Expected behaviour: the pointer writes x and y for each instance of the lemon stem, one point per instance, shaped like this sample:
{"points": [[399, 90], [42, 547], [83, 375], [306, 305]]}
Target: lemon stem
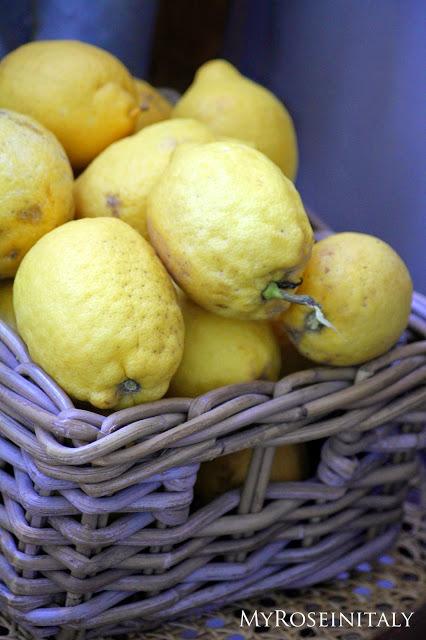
{"points": [[273, 291], [129, 386]]}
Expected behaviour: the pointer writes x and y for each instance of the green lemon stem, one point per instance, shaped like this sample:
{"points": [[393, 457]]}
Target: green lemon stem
{"points": [[273, 291]]}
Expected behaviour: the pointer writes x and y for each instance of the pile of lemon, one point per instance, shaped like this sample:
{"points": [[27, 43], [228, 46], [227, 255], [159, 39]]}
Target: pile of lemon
{"points": [[192, 263]]}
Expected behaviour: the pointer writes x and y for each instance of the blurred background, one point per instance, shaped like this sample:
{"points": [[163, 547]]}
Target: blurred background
{"points": [[350, 72]]}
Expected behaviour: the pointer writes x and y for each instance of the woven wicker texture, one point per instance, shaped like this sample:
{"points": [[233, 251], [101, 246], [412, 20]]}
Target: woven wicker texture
{"points": [[394, 582], [97, 527]]}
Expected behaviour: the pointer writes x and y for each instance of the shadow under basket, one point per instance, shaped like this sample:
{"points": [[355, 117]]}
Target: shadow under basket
{"points": [[99, 534]]}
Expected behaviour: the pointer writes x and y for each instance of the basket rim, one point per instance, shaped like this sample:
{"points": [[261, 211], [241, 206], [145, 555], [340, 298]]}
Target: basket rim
{"points": [[182, 424]]}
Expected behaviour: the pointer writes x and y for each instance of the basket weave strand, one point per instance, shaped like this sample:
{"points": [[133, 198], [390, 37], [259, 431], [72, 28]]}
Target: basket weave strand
{"points": [[99, 531]]}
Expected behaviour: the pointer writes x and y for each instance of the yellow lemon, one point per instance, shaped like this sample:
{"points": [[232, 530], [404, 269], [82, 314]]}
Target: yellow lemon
{"points": [[6, 303], [220, 351], [153, 106], [230, 226], [232, 105], [99, 313], [215, 477], [119, 180], [229, 139], [36, 187], [80, 92], [365, 291]]}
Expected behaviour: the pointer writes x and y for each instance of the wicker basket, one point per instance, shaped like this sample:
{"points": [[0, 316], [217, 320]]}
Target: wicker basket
{"points": [[98, 534]]}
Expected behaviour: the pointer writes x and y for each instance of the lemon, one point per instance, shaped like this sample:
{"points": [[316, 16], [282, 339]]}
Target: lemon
{"points": [[220, 351], [365, 291], [36, 187], [152, 105], [80, 92], [99, 313], [217, 476], [232, 105], [228, 224], [7, 313], [119, 180]]}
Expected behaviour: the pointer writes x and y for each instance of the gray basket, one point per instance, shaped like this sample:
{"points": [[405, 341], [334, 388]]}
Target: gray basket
{"points": [[98, 532]]}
